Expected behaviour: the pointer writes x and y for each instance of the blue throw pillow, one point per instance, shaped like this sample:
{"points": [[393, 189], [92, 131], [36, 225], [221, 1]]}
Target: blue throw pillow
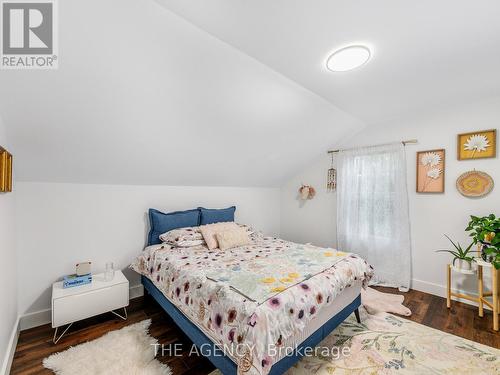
{"points": [[160, 222], [213, 215]]}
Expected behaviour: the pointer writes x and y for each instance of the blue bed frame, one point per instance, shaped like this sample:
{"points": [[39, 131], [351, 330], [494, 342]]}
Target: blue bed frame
{"points": [[224, 363]]}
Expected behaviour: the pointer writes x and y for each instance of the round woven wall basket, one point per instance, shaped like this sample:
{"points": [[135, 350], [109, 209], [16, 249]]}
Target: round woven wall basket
{"points": [[474, 184]]}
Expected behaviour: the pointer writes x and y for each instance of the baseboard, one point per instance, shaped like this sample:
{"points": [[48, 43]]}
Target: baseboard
{"points": [[11, 348], [441, 291], [35, 319], [39, 318], [428, 287], [136, 291]]}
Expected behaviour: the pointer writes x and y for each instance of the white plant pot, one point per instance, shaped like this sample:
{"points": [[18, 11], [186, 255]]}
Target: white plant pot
{"points": [[464, 265]]}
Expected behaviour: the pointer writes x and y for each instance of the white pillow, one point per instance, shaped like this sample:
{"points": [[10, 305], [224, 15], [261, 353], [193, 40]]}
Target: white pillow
{"points": [[210, 231], [228, 239]]}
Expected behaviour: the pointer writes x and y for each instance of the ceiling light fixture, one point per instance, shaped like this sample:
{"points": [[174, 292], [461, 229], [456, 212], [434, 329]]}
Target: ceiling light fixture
{"points": [[348, 58]]}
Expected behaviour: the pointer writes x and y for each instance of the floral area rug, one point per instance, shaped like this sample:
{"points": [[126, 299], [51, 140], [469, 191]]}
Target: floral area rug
{"points": [[386, 344]]}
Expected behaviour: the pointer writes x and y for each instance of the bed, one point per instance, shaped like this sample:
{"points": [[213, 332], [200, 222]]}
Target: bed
{"points": [[255, 308]]}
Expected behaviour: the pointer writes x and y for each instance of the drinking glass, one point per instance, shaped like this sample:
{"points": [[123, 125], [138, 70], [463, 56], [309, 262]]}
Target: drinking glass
{"points": [[110, 272]]}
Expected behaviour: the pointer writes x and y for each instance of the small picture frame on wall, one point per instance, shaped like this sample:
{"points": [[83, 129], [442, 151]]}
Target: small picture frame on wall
{"points": [[5, 171], [477, 145], [430, 171]]}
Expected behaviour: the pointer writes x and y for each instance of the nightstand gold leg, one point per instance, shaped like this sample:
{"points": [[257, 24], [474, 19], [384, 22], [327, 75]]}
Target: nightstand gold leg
{"points": [[56, 340], [494, 277], [480, 289], [448, 286], [120, 316]]}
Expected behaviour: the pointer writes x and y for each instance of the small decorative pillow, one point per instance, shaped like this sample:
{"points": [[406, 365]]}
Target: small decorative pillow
{"points": [[232, 238], [183, 237], [209, 232]]}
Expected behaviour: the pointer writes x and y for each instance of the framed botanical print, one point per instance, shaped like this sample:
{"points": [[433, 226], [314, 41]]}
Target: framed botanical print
{"points": [[5, 171], [430, 171], [477, 145]]}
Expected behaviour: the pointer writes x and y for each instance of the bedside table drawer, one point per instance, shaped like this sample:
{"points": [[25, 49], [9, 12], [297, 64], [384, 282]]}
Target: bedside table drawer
{"points": [[89, 303]]}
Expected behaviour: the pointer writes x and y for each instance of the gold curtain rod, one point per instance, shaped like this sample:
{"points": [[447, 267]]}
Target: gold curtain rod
{"points": [[409, 141]]}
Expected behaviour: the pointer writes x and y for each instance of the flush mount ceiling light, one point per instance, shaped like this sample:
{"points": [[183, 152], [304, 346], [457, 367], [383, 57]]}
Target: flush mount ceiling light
{"points": [[348, 58]]}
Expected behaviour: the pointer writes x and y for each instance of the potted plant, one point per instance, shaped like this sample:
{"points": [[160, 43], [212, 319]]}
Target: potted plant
{"points": [[485, 232], [462, 255]]}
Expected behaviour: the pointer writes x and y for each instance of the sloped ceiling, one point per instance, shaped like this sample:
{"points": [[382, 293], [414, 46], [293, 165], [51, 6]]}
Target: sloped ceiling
{"points": [[426, 54], [142, 96], [235, 92]]}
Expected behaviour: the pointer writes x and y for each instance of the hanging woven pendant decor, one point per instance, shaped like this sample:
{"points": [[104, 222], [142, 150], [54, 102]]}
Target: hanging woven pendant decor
{"points": [[331, 180]]}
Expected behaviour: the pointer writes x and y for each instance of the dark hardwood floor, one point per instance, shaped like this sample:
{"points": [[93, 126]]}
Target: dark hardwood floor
{"points": [[460, 320], [35, 344]]}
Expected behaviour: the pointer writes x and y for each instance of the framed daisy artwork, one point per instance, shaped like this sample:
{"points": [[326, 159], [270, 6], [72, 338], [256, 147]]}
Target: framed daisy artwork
{"points": [[477, 145], [430, 171]]}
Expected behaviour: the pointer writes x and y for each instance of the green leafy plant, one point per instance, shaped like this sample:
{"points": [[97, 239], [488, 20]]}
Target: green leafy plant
{"points": [[486, 232], [459, 252]]}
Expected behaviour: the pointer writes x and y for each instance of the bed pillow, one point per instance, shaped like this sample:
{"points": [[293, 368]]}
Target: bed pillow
{"points": [[228, 239], [209, 232], [253, 234], [215, 215], [183, 237], [160, 222], [248, 228]]}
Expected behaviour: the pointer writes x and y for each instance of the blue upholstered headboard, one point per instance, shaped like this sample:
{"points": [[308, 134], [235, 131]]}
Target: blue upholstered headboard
{"points": [[160, 222]]}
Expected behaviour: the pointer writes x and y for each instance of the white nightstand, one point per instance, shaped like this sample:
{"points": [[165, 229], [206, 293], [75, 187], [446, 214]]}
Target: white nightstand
{"points": [[72, 304]]}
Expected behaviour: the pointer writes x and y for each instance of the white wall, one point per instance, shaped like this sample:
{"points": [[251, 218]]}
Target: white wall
{"points": [[8, 274], [195, 111], [311, 220], [431, 215], [144, 97], [62, 224]]}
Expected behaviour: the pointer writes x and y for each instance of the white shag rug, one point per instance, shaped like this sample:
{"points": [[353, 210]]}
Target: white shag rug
{"points": [[128, 351], [376, 302]]}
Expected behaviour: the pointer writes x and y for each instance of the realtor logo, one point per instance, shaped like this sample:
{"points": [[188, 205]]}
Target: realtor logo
{"points": [[29, 34]]}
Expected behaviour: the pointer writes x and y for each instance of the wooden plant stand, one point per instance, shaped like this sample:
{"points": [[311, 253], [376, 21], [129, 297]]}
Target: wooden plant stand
{"points": [[494, 304], [481, 298]]}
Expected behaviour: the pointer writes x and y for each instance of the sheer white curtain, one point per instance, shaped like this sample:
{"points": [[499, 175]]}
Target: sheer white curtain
{"points": [[372, 211]]}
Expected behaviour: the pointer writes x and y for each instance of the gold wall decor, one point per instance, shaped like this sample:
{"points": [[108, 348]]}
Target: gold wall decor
{"points": [[477, 145], [474, 184], [5, 171]]}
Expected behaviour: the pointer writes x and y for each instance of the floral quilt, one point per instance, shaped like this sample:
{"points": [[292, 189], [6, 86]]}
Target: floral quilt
{"points": [[250, 299]]}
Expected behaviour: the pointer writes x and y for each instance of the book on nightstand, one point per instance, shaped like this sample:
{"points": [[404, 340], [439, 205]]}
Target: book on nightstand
{"points": [[70, 281]]}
